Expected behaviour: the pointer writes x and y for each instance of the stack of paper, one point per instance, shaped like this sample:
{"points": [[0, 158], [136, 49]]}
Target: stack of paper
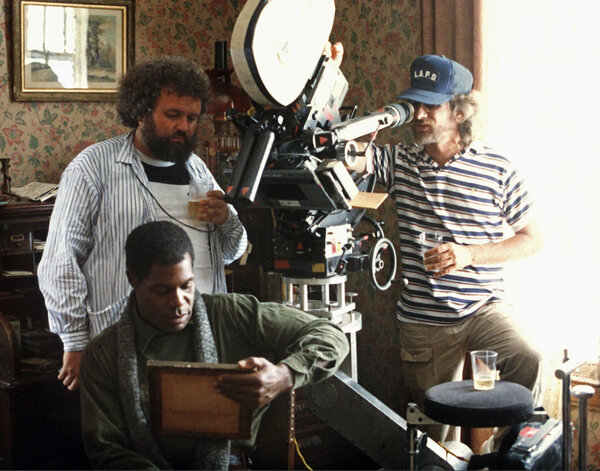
{"points": [[37, 191]]}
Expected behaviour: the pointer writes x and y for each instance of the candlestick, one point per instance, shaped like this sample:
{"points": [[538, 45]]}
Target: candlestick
{"points": [[5, 162]]}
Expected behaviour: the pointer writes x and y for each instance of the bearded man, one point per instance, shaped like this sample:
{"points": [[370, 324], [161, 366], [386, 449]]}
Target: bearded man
{"points": [[116, 185], [463, 212]]}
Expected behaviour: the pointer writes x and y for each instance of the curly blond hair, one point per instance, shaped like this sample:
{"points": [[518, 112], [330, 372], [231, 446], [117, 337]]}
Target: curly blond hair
{"points": [[466, 107]]}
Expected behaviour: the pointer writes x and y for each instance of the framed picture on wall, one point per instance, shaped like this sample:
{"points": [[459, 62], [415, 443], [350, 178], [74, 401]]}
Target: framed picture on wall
{"points": [[72, 50]]}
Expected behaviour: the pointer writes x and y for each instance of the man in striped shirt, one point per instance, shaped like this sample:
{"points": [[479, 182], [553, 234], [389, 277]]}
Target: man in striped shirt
{"points": [[463, 211], [114, 186]]}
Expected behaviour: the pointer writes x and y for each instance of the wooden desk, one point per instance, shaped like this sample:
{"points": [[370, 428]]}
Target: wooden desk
{"points": [[39, 418]]}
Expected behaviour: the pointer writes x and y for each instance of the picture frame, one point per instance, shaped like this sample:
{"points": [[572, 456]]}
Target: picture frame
{"points": [[184, 401], [71, 50]]}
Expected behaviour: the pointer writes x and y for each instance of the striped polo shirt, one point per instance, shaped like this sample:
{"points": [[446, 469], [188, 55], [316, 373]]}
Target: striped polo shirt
{"points": [[477, 197]]}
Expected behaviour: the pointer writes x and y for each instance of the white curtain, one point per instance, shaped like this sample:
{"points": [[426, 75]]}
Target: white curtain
{"points": [[541, 71]]}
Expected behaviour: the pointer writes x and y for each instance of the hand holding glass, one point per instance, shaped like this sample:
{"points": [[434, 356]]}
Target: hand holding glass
{"points": [[198, 190], [429, 240], [483, 363]]}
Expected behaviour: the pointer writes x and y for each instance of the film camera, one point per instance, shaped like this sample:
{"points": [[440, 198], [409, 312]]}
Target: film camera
{"points": [[297, 151]]}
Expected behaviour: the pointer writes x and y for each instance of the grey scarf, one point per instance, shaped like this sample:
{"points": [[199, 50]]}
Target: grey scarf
{"points": [[210, 454]]}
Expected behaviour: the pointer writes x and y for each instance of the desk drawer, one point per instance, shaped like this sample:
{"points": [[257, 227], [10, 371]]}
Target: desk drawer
{"points": [[15, 242]]}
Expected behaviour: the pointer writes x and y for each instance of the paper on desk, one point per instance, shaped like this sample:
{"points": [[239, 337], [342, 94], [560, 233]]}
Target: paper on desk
{"points": [[37, 191], [12, 273]]}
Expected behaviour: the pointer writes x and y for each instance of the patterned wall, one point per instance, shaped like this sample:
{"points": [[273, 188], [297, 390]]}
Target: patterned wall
{"points": [[380, 39], [41, 138]]}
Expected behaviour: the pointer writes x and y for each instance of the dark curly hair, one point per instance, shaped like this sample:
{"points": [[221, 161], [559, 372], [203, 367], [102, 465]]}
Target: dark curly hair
{"points": [[156, 243], [140, 88]]}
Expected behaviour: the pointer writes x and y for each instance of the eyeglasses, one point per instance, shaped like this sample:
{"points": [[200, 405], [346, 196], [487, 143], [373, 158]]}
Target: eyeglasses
{"points": [[416, 105]]}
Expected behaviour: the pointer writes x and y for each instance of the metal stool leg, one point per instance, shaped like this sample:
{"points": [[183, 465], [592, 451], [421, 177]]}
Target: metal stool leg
{"points": [[564, 373], [582, 392], [414, 442]]}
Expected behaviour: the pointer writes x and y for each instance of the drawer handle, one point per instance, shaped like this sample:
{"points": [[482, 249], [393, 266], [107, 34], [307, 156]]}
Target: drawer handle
{"points": [[17, 237]]}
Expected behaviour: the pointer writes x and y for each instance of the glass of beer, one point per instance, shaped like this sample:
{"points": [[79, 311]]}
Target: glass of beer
{"points": [[197, 192], [483, 363]]}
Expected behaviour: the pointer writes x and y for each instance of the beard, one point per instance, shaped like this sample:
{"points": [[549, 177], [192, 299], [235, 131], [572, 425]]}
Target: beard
{"points": [[438, 134], [163, 148]]}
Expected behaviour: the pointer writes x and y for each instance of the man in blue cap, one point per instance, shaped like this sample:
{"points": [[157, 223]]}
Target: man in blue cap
{"points": [[463, 211]]}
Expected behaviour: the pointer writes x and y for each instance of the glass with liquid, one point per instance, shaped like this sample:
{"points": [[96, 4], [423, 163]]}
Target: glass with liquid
{"points": [[198, 190], [483, 363]]}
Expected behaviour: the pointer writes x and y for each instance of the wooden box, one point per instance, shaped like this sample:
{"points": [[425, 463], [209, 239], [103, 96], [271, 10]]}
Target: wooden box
{"points": [[185, 402]]}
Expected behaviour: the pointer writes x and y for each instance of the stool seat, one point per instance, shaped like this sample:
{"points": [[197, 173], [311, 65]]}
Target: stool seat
{"points": [[457, 403]]}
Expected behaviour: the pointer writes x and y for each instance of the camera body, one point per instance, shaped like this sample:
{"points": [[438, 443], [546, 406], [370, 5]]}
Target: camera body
{"points": [[291, 161]]}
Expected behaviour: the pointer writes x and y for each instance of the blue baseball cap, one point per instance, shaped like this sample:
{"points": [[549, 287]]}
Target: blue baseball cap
{"points": [[434, 80]]}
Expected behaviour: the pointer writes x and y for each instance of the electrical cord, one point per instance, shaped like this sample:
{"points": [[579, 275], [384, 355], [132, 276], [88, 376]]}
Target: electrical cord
{"points": [[170, 215], [300, 455]]}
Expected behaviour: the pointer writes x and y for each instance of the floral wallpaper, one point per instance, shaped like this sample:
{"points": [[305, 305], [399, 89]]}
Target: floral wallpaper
{"points": [[41, 138], [380, 38]]}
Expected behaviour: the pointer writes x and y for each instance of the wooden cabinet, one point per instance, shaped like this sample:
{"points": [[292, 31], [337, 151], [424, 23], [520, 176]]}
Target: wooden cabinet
{"points": [[23, 231], [39, 417]]}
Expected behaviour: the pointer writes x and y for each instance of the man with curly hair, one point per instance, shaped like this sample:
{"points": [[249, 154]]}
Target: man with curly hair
{"points": [[114, 186]]}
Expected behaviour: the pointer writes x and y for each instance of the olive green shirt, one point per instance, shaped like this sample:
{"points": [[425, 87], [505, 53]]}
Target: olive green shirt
{"points": [[311, 347]]}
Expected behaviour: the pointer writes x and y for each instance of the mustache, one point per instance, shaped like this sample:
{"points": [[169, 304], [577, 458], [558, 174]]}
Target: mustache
{"points": [[180, 134]]}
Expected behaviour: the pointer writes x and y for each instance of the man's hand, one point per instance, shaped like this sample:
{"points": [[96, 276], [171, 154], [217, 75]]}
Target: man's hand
{"points": [[264, 383], [335, 51], [447, 258], [69, 373], [214, 209]]}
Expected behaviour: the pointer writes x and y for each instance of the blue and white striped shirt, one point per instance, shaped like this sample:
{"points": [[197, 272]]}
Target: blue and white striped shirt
{"points": [[472, 199], [103, 195]]}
